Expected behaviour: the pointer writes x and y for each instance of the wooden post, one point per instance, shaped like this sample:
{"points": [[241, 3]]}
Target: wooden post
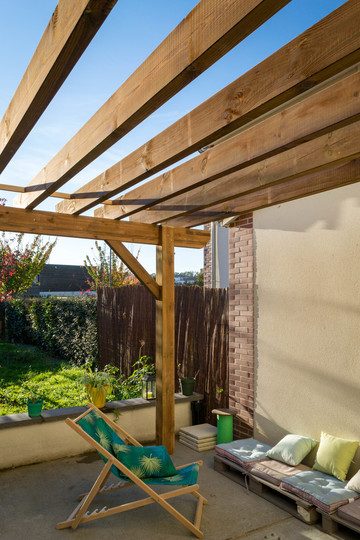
{"points": [[165, 337]]}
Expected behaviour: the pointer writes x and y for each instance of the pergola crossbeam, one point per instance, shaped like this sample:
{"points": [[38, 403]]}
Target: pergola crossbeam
{"points": [[285, 129], [305, 186], [53, 224], [70, 30], [330, 149], [181, 57], [234, 106]]}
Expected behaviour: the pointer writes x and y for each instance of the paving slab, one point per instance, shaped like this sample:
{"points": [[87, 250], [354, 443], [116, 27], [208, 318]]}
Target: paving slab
{"points": [[34, 498]]}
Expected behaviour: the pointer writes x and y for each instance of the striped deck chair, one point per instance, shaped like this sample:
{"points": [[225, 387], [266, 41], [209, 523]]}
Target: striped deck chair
{"points": [[132, 464]]}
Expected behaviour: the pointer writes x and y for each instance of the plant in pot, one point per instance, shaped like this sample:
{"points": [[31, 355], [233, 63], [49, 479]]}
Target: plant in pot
{"points": [[35, 403], [98, 383]]}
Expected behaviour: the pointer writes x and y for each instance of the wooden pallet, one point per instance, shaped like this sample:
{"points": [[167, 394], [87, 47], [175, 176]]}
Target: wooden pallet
{"points": [[339, 527], [287, 501]]}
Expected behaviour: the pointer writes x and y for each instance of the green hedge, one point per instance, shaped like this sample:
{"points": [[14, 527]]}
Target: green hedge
{"points": [[66, 328]]}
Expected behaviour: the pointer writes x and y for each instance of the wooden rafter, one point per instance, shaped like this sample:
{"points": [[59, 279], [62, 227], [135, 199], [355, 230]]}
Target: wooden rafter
{"points": [[265, 86], [51, 223], [210, 30], [70, 30], [21, 189], [136, 268], [336, 147], [290, 127], [305, 186]]}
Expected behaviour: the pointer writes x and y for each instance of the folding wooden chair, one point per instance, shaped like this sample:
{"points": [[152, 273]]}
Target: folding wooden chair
{"points": [[133, 464]]}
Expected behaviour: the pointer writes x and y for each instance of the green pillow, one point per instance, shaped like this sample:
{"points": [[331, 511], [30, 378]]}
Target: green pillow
{"points": [[146, 461], [291, 449], [334, 455]]}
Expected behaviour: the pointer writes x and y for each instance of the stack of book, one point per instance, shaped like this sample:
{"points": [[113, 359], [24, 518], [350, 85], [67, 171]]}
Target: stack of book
{"points": [[200, 438]]}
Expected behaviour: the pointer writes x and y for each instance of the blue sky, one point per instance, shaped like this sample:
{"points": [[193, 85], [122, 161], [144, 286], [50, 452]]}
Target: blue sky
{"points": [[128, 36]]}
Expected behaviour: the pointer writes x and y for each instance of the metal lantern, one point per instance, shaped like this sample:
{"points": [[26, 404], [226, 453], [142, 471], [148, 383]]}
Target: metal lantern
{"points": [[148, 390]]}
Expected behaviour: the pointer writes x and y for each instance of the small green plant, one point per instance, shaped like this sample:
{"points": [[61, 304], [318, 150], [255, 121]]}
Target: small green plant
{"points": [[35, 396], [96, 378], [98, 383], [32, 390], [131, 387]]}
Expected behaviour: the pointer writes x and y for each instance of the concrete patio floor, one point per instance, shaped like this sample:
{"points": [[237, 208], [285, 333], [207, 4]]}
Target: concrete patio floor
{"points": [[34, 498]]}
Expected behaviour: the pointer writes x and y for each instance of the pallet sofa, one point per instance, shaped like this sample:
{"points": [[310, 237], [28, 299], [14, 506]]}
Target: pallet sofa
{"points": [[310, 493]]}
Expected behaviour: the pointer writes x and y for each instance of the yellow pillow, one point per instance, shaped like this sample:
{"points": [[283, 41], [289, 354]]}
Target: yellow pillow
{"points": [[334, 455]]}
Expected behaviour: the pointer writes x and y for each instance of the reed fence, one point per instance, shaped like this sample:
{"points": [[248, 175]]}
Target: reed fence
{"points": [[126, 325]]}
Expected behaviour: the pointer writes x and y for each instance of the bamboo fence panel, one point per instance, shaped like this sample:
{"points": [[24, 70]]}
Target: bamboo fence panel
{"points": [[126, 323]]}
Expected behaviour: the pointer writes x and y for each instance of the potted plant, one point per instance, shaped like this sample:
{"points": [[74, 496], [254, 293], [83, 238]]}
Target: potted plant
{"points": [[187, 384], [98, 384], [34, 403]]}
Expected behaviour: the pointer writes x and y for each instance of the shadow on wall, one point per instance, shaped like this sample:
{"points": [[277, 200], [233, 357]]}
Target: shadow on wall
{"points": [[331, 210]]}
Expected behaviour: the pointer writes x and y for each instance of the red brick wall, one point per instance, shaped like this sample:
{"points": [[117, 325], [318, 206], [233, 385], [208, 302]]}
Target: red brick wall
{"points": [[241, 322], [241, 325], [207, 261]]}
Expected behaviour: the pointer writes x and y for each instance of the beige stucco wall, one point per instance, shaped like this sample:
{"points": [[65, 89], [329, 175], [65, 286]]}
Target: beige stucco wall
{"points": [[307, 316]]}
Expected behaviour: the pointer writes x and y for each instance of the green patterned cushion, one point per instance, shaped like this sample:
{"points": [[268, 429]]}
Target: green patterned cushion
{"points": [[147, 461], [187, 476], [101, 432]]}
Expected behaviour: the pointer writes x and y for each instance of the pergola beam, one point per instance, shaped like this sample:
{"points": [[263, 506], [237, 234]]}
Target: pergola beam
{"points": [[286, 129], [70, 30], [305, 186], [234, 106], [330, 149], [136, 268], [210, 30], [53, 224]]}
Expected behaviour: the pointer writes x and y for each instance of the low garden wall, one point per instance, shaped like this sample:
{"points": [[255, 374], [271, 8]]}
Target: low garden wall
{"points": [[25, 440]]}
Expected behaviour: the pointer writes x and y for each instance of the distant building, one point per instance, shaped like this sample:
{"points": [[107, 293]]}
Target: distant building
{"points": [[60, 280], [184, 279]]}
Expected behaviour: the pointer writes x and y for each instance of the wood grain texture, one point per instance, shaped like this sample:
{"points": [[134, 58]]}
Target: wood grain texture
{"points": [[165, 342], [309, 59], [53, 224], [135, 267], [328, 150], [209, 31], [70, 30], [306, 120], [311, 184]]}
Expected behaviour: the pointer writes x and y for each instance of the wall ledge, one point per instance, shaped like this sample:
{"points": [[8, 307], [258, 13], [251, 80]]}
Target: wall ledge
{"points": [[23, 420]]}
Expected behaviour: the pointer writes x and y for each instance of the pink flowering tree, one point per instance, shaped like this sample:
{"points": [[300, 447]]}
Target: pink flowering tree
{"points": [[20, 264]]}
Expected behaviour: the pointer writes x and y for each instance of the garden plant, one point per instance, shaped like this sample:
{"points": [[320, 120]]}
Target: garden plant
{"points": [[27, 370]]}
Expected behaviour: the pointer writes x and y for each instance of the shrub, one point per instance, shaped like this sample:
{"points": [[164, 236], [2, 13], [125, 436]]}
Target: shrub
{"points": [[66, 328]]}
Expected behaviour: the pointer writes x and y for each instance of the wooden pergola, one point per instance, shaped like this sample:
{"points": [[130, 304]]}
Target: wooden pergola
{"points": [[288, 128]]}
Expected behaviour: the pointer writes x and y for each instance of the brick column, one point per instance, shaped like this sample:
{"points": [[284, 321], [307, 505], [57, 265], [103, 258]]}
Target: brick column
{"points": [[241, 325], [207, 261]]}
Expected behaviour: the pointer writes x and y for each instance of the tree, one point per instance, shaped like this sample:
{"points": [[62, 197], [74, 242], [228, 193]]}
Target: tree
{"points": [[200, 279], [108, 270], [20, 264]]}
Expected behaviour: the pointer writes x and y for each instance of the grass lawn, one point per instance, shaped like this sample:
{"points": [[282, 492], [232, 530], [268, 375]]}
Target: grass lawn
{"points": [[25, 368]]}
